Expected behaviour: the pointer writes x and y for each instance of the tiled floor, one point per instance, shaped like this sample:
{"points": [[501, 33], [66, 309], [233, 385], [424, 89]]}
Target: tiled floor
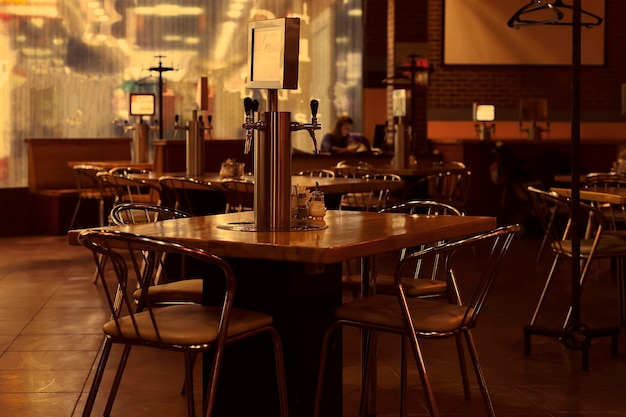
{"points": [[51, 315]]}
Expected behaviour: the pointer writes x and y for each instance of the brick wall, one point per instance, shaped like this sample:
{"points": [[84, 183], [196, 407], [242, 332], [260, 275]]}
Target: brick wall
{"points": [[453, 89]]}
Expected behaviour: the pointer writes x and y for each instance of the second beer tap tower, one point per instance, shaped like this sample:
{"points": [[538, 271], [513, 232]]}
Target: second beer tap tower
{"points": [[273, 51]]}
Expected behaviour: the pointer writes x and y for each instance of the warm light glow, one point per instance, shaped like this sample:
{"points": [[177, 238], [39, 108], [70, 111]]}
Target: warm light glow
{"points": [[168, 10]]}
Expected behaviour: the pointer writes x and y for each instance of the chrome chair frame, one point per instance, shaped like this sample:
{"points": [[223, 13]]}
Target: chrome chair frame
{"points": [[89, 188], [447, 187], [198, 328], [177, 192], [416, 318], [240, 195]]}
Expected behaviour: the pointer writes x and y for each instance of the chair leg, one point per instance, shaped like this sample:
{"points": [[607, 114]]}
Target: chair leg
{"points": [[463, 366], [322, 370], [471, 347], [97, 379], [101, 261], [116, 381], [368, 363], [189, 360], [75, 214], [183, 389], [428, 390], [403, 375], [545, 290], [281, 379]]}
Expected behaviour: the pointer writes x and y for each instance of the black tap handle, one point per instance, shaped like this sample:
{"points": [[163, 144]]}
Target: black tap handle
{"points": [[200, 118], [209, 118], [247, 105], [176, 119], [255, 105], [314, 106]]}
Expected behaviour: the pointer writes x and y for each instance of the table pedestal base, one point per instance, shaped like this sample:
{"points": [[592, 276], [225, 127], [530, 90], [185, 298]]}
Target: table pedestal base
{"points": [[302, 305], [577, 338]]}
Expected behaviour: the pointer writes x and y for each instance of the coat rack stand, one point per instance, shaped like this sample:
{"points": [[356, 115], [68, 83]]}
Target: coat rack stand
{"points": [[576, 335]]}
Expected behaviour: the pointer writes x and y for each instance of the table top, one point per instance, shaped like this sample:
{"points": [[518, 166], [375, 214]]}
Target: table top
{"points": [[113, 164], [349, 234], [420, 170], [610, 195], [336, 185]]}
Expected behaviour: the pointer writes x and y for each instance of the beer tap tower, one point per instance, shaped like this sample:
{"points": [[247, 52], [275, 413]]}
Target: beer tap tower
{"points": [[273, 49], [195, 128]]}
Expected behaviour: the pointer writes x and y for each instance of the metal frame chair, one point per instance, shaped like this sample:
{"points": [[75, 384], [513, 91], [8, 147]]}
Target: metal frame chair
{"points": [[240, 195], [372, 200], [617, 215], [596, 243], [447, 187], [414, 287], [186, 194], [186, 328], [123, 189], [89, 188], [417, 318], [319, 173]]}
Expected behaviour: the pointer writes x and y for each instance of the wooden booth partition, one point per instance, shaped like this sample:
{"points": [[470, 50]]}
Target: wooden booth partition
{"points": [[51, 181], [170, 155]]}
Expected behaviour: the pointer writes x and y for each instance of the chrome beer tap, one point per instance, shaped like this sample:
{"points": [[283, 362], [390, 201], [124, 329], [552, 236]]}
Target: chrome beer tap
{"points": [[310, 127], [178, 127], [250, 107]]}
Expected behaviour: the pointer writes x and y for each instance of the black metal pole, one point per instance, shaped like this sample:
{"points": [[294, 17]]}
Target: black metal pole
{"points": [[575, 165], [160, 69]]}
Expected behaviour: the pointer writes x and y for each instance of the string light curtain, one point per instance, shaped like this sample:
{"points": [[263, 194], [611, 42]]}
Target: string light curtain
{"points": [[68, 66]]}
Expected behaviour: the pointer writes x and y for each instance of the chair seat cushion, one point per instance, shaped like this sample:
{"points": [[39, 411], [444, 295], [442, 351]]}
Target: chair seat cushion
{"points": [[429, 316], [412, 287], [185, 324], [611, 244], [187, 290]]}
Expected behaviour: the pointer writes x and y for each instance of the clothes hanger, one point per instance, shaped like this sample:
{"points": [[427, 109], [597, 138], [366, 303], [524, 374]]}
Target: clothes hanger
{"points": [[517, 20], [597, 20]]}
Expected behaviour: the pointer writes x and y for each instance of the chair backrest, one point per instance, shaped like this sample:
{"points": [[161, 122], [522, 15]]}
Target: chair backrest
{"points": [[319, 173], [427, 207], [192, 196], [449, 187], [346, 170], [605, 180], [548, 205], [129, 190], [369, 200], [240, 194], [135, 261], [131, 213], [128, 170], [476, 260], [86, 177]]}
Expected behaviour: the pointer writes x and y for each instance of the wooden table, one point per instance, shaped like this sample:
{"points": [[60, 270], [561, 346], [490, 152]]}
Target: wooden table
{"points": [[611, 195], [113, 164], [296, 277], [334, 185]]}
